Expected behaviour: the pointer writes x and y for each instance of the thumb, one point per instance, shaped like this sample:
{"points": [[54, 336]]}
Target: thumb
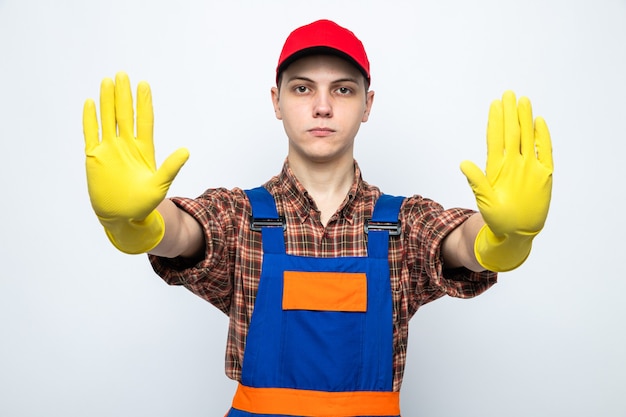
{"points": [[171, 166], [477, 180]]}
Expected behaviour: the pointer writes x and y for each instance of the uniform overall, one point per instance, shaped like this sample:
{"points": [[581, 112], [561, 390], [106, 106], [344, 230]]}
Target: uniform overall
{"points": [[320, 337]]}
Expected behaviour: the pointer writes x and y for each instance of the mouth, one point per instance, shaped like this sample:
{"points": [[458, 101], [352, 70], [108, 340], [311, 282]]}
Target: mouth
{"points": [[321, 131]]}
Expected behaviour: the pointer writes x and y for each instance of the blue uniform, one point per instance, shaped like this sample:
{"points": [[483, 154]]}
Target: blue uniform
{"points": [[320, 337]]}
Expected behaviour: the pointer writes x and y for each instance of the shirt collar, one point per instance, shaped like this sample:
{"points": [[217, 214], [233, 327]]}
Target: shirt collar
{"points": [[301, 202]]}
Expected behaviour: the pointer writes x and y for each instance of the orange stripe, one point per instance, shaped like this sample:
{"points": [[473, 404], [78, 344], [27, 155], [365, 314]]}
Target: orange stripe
{"points": [[308, 403], [325, 291]]}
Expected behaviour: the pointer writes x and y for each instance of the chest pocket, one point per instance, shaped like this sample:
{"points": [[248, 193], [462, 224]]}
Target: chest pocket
{"points": [[325, 291]]}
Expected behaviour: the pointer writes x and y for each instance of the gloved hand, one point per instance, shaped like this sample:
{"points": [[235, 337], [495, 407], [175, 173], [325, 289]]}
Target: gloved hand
{"points": [[513, 195], [124, 184]]}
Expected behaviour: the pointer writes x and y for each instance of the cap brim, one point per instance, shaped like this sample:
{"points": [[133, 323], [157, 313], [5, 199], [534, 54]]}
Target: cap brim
{"points": [[319, 50]]}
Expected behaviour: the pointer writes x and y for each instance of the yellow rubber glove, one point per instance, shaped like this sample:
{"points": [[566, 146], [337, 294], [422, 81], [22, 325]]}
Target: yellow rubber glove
{"points": [[124, 185], [513, 195]]}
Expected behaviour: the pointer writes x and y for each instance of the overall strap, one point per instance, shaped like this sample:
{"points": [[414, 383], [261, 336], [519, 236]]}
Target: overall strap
{"points": [[265, 219], [385, 222], [387, 209]]}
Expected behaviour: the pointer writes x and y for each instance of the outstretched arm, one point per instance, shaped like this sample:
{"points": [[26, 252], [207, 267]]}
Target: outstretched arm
{"points": [[183, 234], [513, 195], [458, 247], [125, 186]]}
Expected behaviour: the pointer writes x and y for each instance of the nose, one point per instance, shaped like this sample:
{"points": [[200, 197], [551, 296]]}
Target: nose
{"points": [[323, 105]]}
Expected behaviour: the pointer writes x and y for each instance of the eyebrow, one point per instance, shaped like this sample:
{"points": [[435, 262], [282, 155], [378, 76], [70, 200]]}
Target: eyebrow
{"points": [[340, 80]]}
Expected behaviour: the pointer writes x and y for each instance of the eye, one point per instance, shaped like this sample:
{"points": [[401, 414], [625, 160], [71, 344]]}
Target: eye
{"points": [[301, 89], [344, 91]]}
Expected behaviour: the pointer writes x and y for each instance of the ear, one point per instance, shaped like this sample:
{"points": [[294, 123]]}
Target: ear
{"points": [[275, 102], [369, 100]]}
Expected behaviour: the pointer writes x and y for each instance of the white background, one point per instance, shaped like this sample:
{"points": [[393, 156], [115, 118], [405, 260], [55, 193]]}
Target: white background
{"points": [[88, 331]]}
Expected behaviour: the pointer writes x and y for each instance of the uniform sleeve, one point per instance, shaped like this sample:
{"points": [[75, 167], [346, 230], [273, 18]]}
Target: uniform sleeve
{"points": [[426, 226], [220, 212]]}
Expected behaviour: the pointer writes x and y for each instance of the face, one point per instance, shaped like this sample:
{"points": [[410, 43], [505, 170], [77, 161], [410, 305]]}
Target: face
{"points": [[322, 101]]}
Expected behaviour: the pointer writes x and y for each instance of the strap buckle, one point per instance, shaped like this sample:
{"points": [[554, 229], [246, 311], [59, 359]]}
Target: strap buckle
{"points": [[256, 224], [394, 228]]}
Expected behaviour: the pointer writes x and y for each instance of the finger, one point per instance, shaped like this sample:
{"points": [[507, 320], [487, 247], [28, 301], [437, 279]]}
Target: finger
{"points": [[107, 108], [543, 143], [527, 131], [90, 126], [145, 113], [170, 168], [145, 122], [124, 106], [495, 139], [511, 124]]}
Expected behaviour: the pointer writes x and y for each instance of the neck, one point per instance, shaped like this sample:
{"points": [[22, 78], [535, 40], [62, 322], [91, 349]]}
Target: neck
{"points": [[327, 184]]}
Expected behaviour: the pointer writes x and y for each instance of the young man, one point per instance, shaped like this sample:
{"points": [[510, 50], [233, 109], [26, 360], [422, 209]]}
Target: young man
{"points": [[318, 271]]}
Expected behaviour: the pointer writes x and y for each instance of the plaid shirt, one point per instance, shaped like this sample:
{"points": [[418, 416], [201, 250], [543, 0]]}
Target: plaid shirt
{"points": [[228, 275]]}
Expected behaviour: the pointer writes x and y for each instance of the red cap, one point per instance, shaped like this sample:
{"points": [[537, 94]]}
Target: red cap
{"points": [[323, 36]]}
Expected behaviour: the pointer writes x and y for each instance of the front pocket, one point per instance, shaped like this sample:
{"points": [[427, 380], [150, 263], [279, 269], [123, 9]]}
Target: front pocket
{"points": [[322, 350], [323, 329]]}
